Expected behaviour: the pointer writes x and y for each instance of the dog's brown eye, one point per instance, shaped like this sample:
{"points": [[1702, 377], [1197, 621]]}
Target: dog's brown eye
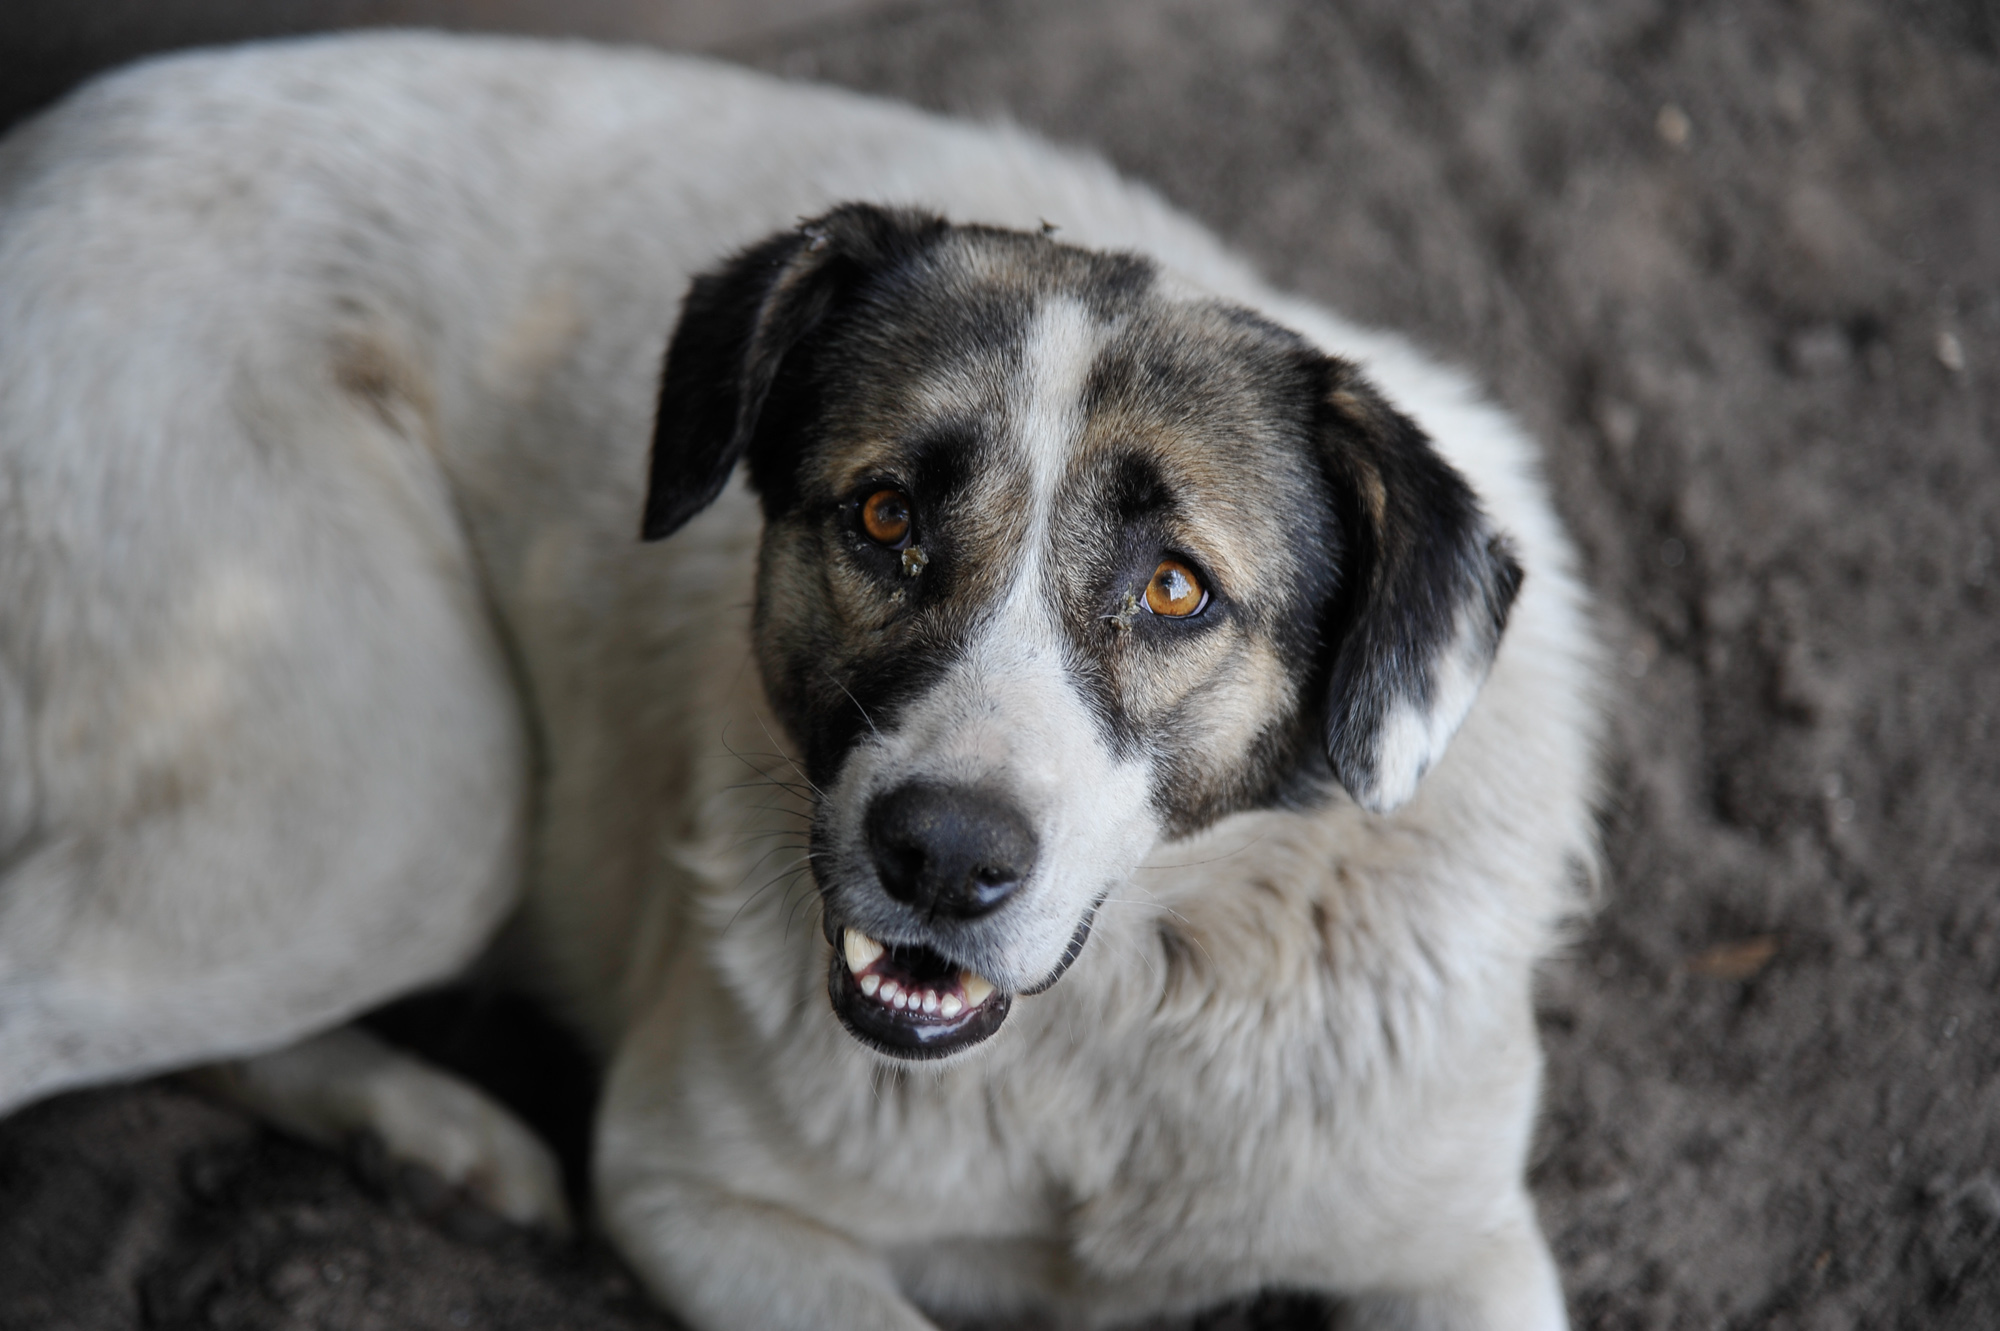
{"points": [[885, 516], [1175, 591]]}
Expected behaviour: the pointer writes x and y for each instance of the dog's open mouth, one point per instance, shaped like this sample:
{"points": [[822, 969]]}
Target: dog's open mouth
{"points": [[908, 1001]]}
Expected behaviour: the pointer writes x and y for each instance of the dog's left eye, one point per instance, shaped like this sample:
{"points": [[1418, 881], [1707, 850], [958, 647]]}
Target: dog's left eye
{"points": [[885, 516], [1175, 590]]}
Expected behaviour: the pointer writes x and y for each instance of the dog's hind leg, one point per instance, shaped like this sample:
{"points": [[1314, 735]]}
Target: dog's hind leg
{"points": [[246, 919], [346, 1081], [302, 877], [273, 759]]}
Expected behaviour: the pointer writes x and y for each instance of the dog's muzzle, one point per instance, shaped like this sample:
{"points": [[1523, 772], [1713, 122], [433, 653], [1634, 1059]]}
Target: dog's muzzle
{"points": [[948, 854]]}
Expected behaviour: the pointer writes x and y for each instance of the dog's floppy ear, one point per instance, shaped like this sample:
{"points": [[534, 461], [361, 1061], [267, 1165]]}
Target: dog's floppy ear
{"points": [[737, 325], [1425, 595]]}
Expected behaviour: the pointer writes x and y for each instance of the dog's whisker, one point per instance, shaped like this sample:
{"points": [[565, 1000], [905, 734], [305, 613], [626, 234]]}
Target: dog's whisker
{"points": [[762, 781], [745, 838], [807, 899], [856, 701], [771, 808], [788, 873], [792, 763], [805, 801], [774, 783], [789, 762], [1195, 864], [798, 862], [777, 759], [758, 863], [791, 914]]}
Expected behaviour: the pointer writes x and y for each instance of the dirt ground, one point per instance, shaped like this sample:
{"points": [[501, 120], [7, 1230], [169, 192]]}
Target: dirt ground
{"points": [[1738, 264]]}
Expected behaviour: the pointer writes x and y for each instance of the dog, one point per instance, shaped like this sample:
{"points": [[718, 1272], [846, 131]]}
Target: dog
{"points": [[1043, 767]]}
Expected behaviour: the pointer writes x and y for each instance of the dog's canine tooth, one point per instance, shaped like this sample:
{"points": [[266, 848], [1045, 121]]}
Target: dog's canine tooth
{"points": [[870, 983], [977, 987], [860, 950]]}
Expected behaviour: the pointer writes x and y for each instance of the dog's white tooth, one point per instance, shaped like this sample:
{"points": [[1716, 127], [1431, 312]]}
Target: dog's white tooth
{"points": [[902, 1002], [860, 950], [949, 1006], [870, 983], [930, 1000], [889, 991], [977, 987]]}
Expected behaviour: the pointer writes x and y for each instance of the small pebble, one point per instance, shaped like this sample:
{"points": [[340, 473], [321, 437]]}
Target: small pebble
{"points": [[1950, 351], [1673, 126]]}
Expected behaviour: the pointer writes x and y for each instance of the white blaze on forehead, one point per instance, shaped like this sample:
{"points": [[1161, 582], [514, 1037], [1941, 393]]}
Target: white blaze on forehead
{"points": [[1056, 356], [1021, 656], [1009, 713]]}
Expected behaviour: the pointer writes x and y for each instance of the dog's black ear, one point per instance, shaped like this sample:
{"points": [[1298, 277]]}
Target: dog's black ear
{"points": [[1424, 598], [737, 325]]}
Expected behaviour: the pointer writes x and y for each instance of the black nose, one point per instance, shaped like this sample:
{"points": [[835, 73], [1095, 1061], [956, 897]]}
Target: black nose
{"points": [[949, 850]]}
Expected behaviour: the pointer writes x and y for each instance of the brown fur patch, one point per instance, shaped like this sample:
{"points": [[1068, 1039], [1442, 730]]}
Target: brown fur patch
{"points": [[383, 382]]}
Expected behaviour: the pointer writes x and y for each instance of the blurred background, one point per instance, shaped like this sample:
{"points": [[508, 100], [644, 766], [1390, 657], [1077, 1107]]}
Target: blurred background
{"points": [[1737, 264]]}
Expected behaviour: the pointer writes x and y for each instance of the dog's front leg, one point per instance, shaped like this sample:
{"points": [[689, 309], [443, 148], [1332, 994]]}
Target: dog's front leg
{"points": [[727, 1263], [1507, 1283]]}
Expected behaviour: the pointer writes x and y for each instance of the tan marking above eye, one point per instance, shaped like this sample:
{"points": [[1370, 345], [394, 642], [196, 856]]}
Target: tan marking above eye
{"points": [[885, 516], [1175, 590]]}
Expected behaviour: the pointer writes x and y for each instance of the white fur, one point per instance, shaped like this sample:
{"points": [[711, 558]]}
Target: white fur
{"points": [[1414, 737], [1008, 715], [1061, 344], [324, 406]]}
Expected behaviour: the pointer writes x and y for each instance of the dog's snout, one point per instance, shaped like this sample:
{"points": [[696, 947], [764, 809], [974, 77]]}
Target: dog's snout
{"points": [[949, 850]]}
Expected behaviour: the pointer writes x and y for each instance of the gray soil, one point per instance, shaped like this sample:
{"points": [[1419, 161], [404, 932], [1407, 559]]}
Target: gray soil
{"points": [[1738, 264]]}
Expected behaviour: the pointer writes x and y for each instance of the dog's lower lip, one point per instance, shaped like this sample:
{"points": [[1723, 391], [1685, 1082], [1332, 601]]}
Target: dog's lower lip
{"points": [[910, 1002]]}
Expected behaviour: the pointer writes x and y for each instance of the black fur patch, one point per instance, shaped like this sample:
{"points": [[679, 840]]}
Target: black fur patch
{"points": [[737, 326], [1424, 560]]}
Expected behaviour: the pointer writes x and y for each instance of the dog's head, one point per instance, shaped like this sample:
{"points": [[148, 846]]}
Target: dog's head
{"points": [[1056, 563]]}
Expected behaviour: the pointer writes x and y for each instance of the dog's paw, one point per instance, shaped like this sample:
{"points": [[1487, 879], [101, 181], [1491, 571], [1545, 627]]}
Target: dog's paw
{"points": [[347, 1081], [429, 1118]]}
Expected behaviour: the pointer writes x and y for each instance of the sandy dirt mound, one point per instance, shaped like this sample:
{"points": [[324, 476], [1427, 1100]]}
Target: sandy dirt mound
{"points": [[1739, 266]]}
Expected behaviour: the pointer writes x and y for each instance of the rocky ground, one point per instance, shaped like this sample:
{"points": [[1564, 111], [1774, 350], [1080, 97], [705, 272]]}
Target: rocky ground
{"points": [[1739, 265]]}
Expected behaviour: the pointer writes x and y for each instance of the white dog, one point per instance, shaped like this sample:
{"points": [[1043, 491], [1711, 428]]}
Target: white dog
{"points": [[1007, 852]]}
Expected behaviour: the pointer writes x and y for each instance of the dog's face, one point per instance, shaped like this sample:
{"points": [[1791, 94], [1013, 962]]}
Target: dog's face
{"points": [[1056, 562]]}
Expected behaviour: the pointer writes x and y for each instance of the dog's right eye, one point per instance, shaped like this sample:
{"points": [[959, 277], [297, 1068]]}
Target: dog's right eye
{"points": [[885, 517], [1175, 591]]}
